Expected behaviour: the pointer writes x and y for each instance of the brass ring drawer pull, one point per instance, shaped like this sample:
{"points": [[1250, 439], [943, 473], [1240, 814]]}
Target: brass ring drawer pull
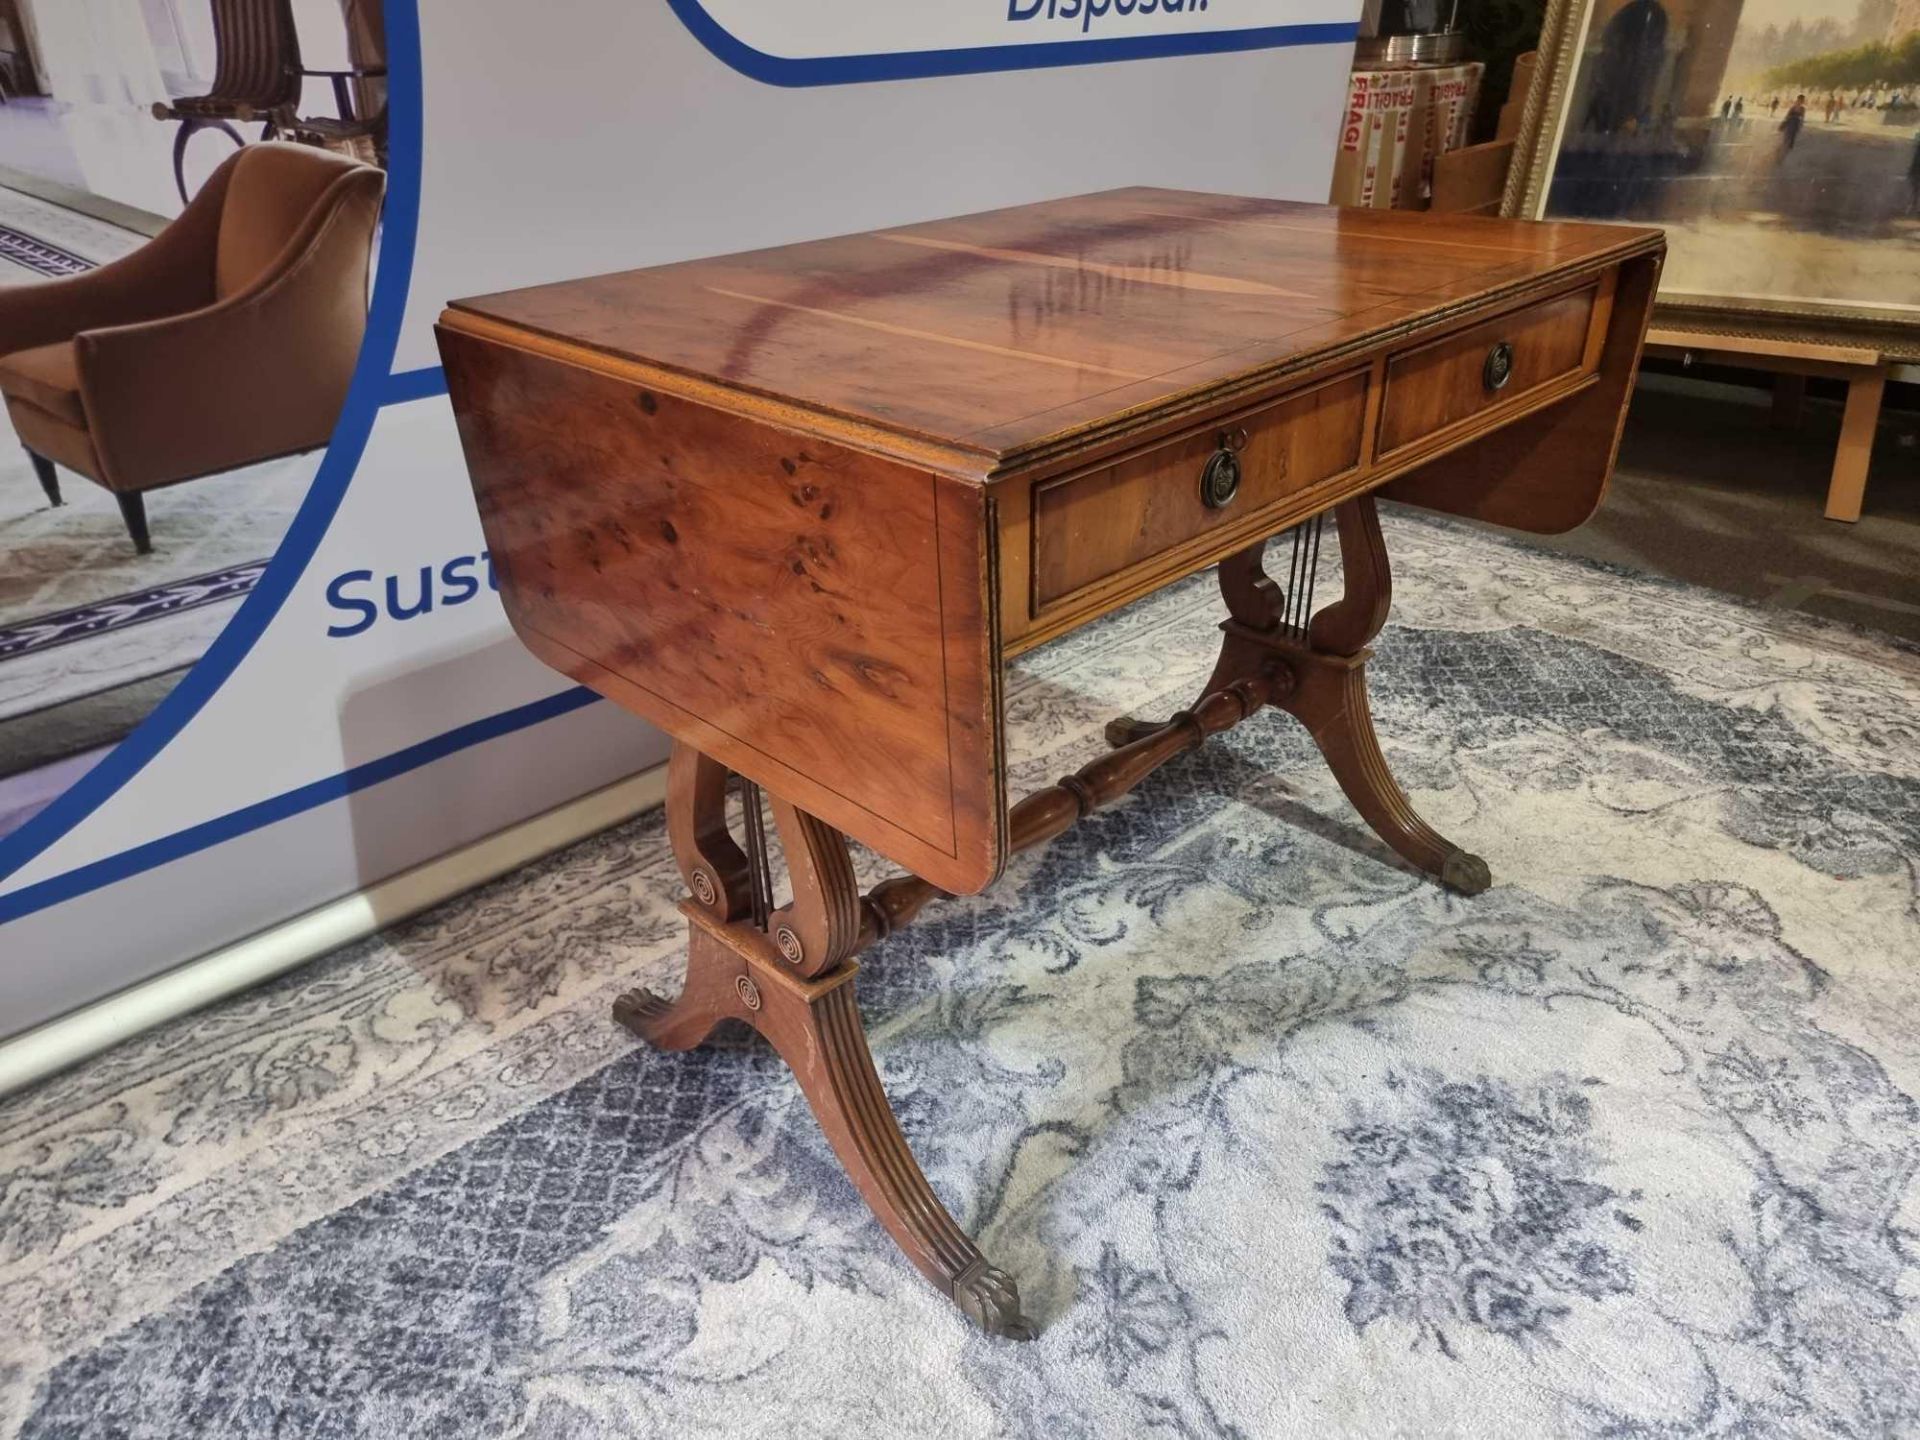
{"points": [[1499, 367], [1220, 480]]}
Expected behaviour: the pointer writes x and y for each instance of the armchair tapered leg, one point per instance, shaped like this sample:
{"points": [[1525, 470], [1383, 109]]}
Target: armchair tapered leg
{"points": [[49, 478], [133, 510]]}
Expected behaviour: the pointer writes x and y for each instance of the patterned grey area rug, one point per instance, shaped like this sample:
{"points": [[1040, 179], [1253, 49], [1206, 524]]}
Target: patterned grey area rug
{"points": [[55, 562], [40, 240], [1279, 1139]]}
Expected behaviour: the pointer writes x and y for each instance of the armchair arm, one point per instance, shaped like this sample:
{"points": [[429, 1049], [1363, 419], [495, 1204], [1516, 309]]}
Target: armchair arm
{"points": [[170, 273], [260, 374]]}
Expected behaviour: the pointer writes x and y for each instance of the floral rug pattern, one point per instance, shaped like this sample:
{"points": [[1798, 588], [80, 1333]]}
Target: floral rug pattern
{"points": [[1277, 1138]]}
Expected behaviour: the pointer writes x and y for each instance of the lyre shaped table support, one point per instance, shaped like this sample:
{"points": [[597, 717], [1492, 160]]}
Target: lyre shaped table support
{"points": [[789, 972]]}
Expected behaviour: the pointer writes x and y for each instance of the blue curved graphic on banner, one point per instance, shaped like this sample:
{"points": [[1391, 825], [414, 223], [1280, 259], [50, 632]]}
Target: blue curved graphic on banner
{"points": [[369, 390], [920, 64]]}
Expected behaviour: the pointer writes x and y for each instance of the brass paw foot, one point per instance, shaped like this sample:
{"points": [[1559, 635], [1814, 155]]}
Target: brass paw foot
{"points": [[1465, 874], [641, 1011], [716, 990], [986, 1295]]}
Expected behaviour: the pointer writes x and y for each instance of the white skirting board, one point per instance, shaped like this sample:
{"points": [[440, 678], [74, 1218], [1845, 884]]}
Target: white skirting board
{"points": [[37, 1053]]}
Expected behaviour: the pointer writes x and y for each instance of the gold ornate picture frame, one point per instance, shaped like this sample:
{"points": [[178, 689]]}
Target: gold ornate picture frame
{"points": [[1698, 107]]}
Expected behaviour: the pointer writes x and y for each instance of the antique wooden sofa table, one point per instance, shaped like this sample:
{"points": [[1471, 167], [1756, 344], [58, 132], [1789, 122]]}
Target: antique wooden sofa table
{"points": [[797, 508]]}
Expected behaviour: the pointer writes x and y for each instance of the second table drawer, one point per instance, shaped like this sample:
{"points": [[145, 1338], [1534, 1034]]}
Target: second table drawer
{"points": [[1494, 363]]}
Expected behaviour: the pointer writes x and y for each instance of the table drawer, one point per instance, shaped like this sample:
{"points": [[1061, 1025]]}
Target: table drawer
{"points": [[1149, 507], [1496, 363]]}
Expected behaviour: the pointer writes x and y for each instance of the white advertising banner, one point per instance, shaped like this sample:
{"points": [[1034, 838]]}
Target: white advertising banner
{"points": [[302, 681]]}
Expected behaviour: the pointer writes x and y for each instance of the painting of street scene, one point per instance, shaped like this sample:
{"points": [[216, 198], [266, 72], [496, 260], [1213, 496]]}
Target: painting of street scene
{"points": [[1778, 141]]}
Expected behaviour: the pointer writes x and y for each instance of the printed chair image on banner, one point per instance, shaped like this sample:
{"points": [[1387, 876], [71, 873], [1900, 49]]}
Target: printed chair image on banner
{"points": [[189, 198]]}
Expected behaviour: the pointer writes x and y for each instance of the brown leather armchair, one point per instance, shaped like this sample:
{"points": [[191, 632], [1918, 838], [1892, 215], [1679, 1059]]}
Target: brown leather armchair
{"points": [[226, 340]]}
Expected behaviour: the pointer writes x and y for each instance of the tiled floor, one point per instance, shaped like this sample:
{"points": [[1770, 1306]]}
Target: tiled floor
{"points": [[33, 139], [119, 152]]}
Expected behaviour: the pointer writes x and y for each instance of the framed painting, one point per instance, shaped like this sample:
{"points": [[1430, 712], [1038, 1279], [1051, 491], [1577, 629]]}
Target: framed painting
{"points": [[1776, 141]]}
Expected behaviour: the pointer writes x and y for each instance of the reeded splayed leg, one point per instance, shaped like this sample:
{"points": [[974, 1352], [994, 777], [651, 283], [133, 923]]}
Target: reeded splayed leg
{"points": [[1326, 653], [792, 980], [1330, 699]]}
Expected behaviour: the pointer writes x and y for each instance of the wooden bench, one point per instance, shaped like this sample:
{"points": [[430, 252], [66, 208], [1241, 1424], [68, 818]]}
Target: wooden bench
{"points": [[1864, 371]]}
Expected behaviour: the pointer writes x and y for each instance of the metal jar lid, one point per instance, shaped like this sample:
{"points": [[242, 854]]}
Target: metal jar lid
{"points": [[1442, 47]]}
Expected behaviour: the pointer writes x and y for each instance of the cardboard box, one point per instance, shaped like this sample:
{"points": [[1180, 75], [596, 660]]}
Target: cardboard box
{"points": [[1450, 92], [1370, 166], [1396, 121]]}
